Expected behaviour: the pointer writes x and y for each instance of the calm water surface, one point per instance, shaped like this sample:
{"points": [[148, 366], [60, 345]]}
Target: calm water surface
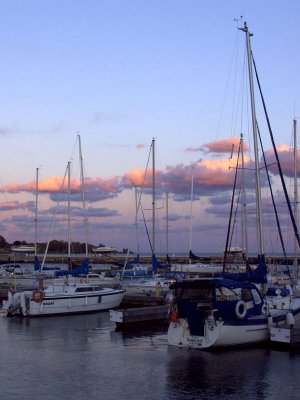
{"points": [[82, 357]]}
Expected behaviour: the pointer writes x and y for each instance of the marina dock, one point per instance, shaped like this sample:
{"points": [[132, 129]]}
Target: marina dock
{"points": [[61, 258], [133, 317], [285, 335]]}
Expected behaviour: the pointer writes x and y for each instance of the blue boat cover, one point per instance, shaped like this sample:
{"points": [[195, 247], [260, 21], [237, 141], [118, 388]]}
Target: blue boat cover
{"points": [[83, 269], [259, 275]]}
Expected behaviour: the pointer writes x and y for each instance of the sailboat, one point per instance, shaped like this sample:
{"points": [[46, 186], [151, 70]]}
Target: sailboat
{"points": [[194, 268], [20, 278], [230, 309], [151, 283], [288, 333], [67, 296]]}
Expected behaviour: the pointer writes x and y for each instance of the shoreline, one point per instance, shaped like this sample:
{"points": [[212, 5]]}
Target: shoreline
{"points": [[15, 258]]}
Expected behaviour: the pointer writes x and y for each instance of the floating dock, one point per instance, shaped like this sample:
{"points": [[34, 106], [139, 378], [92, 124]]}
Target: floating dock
{"points": [[141, 299], [285, 335], [132, 317]]}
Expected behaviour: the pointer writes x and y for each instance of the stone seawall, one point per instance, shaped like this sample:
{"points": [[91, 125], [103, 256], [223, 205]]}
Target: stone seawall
{"points": [[120, 259]]}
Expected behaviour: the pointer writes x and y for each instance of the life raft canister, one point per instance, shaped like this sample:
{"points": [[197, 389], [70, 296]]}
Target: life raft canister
{"points": [[38, 296]]}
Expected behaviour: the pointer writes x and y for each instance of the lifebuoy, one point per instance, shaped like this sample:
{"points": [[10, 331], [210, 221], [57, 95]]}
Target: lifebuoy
{"points": [[38, 296], [240, 309], [173, 316]]}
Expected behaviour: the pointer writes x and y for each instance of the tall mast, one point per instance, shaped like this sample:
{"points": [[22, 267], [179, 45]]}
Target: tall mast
{"points": [[191, 213], [244, 214], [259, 226], [295, 200], [83, 197], [153, 196], [167, 223], [69, 218], [136, 218], [36, 210]]}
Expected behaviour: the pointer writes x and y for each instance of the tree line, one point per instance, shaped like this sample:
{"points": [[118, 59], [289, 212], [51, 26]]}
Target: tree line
{"points": [[55, 246]]}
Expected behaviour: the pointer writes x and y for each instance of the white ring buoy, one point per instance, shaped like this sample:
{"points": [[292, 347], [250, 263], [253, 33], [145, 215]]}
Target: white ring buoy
{"points": [[38, 296], [240, 309]]}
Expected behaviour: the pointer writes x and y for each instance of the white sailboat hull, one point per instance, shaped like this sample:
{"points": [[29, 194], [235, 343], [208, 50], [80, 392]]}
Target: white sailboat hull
{"points": [[60, 303], [151, 286], [287, 332], [31, 281], [217, 335]]}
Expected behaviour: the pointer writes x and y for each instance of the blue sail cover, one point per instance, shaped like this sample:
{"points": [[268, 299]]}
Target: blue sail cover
{"points": [[83, 269], [133, 262], [37, 266], [142, 272], [156, 265], [259, 275]]}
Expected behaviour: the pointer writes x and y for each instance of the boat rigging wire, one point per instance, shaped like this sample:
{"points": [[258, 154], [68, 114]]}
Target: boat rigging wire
{"points": [[277, 158], [273, 200], [231, 208]]}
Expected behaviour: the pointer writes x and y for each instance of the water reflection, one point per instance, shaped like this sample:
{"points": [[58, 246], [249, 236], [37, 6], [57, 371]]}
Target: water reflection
{"points": [[83, 357], [247, 374], [138, 333]]}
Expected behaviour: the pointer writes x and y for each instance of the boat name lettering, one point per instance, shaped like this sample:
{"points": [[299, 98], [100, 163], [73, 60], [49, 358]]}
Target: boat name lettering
{"points": [[195, 340], [48, 303]]}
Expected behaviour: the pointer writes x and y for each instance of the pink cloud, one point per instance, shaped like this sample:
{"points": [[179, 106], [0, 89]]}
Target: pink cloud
{"points": [[110, 185], [209, 176], [224, 146], [54, 185], [205, 174], [9, 206], [136, 177], [16, 205]]}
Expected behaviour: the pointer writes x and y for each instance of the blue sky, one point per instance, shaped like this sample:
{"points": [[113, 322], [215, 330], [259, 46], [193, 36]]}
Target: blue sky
{"points": [[120, 73]]}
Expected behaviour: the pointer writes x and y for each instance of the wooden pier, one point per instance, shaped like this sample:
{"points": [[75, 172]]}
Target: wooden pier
{"points": [[134, 317]]}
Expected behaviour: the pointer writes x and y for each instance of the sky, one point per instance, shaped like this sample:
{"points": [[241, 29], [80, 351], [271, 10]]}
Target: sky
{"points": [[120, 73]]}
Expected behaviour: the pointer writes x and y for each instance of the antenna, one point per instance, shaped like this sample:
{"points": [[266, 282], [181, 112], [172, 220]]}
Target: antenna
{"points": [[237, 20]]}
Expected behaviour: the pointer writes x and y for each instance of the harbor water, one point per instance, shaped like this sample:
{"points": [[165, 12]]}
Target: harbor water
{"points": [[82, 357]]}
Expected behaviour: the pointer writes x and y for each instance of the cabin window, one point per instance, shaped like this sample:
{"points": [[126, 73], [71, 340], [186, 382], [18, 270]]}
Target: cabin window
{"points": [[198, 294], [225, 294], [246, 294], [84, 289], [256, 296]]}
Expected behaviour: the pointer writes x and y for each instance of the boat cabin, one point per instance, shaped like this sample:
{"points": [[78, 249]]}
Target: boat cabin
{"points": [[222, 299]]}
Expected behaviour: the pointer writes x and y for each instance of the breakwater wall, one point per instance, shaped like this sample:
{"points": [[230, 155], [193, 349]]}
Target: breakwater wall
{"points": [[121, 258]]}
